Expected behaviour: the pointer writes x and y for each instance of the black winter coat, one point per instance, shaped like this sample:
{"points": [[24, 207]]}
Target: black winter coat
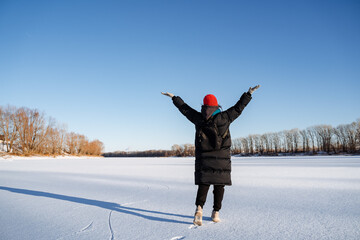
{"points": [[212, 141]]}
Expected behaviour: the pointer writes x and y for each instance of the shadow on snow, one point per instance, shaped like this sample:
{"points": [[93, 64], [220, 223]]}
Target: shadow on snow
{"points": [[102, 204]]}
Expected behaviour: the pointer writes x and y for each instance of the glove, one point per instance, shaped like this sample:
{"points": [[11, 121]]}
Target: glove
{"points": [[252, 89], [167, 94]]}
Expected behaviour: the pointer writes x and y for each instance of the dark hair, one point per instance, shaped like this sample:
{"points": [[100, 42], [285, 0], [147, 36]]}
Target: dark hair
{"points": [[219, 106]]}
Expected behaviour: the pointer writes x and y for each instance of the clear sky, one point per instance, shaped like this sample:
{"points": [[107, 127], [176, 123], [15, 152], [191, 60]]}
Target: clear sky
{"points": [[99, 66]]}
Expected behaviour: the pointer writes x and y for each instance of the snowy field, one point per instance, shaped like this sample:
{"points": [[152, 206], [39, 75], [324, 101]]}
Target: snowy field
{"points": [[153, 198]]}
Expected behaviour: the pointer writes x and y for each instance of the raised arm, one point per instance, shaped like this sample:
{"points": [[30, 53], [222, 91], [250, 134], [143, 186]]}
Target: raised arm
{"points": [[191, 114], [235, 111]]}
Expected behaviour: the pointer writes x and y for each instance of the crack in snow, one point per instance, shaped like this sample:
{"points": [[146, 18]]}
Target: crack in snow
{"points": [[111, 230]]}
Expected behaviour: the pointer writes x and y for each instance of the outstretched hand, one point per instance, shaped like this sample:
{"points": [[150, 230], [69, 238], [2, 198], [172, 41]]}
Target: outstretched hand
{"points": [[252, 89], [167, 94]]}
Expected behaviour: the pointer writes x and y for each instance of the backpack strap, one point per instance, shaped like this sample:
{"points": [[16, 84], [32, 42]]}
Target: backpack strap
{"points": [[225, 134], [216, 128]]}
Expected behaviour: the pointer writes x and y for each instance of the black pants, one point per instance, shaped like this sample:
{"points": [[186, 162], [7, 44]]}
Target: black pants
{"points": [[218, 195]]}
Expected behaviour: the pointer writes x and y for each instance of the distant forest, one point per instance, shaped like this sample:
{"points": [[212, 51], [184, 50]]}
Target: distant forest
{"points": [[25, 131], [343, 139]]}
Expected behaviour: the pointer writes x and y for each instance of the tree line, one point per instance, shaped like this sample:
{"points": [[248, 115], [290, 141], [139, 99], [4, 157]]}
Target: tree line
{"points": [[26, 131], [184, 150], [147, 153], [343, 139]]}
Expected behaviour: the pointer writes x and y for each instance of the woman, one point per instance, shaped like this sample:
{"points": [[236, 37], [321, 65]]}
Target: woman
{"points": [[212, 147]]}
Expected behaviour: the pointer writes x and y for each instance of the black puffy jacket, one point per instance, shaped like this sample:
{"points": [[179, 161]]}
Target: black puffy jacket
{"points": [[212, 141]]}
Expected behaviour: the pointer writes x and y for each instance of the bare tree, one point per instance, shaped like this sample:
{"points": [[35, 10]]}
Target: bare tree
{"points": [[305, 140], [341, 135], [312, 137], [71, 143], [9, 127], [82, 144], [245, 144], [324, 133], [251, 143], [275, 139], [295, 139], [32, 130], [351, 132], [257, 144], [96, 147], [288, 139], [189, 150], [176, 149], [54, 143], [236, 147], [266, 143]]}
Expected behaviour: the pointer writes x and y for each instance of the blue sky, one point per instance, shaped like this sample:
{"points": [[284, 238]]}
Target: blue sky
{"points": [[99, 66]]}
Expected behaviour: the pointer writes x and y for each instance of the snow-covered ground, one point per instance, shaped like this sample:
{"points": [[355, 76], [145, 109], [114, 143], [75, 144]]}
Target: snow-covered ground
{"points": [[153, 198]]}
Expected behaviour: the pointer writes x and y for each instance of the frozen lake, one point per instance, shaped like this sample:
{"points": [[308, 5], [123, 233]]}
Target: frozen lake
{"points": [[153, 198]]}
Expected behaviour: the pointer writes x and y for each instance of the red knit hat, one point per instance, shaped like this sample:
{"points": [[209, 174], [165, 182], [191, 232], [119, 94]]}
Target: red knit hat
{"points": [[210, 100]]}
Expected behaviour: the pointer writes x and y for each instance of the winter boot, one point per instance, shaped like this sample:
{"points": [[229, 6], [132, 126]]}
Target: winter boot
{"points": [[198, 216], [215, 216]]}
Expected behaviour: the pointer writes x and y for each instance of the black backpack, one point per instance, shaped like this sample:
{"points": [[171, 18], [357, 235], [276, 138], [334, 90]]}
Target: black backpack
{"points": [[210, 138]]}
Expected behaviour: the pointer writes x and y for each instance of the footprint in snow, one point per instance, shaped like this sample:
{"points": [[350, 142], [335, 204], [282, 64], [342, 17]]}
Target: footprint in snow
{"points": [[193, 226], [88, 227]]}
